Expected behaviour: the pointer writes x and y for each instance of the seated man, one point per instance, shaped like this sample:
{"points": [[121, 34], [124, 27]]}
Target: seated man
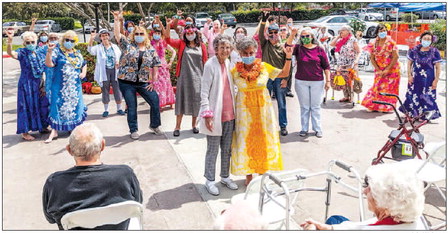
{"points": [[241, 216], [90, 183]]}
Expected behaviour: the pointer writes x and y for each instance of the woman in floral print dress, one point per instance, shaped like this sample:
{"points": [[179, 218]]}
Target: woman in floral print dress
{"points": [[384, 56]]}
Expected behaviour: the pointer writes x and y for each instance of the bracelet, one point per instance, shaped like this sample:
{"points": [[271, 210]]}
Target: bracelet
{"points": [[288, 59]]}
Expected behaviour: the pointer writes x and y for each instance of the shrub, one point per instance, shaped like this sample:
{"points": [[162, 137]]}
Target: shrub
{"points": [[357, 25], [173, 67], [409, 17], [439, 29], [91, 60]]}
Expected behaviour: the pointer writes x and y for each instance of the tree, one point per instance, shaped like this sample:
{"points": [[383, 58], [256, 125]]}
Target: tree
{"points": [[28, 10]]}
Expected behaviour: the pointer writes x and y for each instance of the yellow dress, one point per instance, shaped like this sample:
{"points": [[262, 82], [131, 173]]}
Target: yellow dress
{"points": [[256, 142]]}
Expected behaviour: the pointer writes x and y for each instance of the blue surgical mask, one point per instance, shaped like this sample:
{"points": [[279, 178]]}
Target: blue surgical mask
{"points": [[69, 45], [130, 29], [248, 60], [188, 23], [382, 35], [290, 24], [155, 25], [156, 37], [31, 47], [426, 43], [44, 38], [139, 39], [55, 41]]}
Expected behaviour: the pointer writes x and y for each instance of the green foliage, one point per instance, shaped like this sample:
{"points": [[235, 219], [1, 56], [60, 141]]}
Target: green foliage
{"points": [[253, 15], [439, 29], [173, 67], [409, 17], [82, 47], [67, 23], [357, 25], [78, 24], [27, 10]]}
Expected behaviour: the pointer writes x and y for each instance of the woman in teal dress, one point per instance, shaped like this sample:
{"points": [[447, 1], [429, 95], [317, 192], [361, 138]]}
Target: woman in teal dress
{"points": [[67, 109]]}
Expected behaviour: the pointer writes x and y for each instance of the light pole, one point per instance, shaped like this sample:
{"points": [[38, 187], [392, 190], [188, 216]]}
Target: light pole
{"points": [[96, 5]]}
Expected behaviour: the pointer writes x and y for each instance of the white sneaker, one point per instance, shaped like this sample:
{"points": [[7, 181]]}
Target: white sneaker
{"points": [[156, 131], [135, 135], [229, 183], [211, 188]]}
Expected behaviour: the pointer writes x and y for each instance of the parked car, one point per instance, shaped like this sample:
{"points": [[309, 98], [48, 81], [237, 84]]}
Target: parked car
{"points": [[88, 28], [431, 14], [47, 25], [345, 12], [390, 13], [228, 19], [370, 14], [335, 22], [201, 18], [18, 27]]}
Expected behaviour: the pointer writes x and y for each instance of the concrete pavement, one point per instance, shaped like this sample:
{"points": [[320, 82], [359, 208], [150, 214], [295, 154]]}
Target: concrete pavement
{"points": [[170, 169]]}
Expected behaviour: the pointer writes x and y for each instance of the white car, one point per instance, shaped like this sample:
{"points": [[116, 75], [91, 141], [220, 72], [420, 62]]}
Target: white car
{"points": [[335, 22], [370, 14]]}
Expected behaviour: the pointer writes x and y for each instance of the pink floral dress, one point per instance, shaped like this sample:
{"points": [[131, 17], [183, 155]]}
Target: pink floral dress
{"points": [[388, 83], [163, 85]]}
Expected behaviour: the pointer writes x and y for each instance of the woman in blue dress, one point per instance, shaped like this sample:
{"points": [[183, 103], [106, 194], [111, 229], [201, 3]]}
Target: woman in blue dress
{"points": [[32, 104], [67, 109], [423, 76]]}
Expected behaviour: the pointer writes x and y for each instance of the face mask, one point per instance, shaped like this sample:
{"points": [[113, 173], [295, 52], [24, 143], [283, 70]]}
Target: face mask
{"points": [[191, 37], [54, 42], [188, 23], [239, 36], [426, 43], [382, 35], [273, 37], [306, 40], [44, 38], [130, 29], [155, 25], [290, 24], [31, 47], [139, 39], [156, 37], [69, 45], [248, 60]]}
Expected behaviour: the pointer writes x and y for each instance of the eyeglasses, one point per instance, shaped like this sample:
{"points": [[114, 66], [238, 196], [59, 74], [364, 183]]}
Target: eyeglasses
{"points": [[283, 29], [275, 32], [53, 38], [139, 33], [68, 40], [30, 42], [307, 36]]}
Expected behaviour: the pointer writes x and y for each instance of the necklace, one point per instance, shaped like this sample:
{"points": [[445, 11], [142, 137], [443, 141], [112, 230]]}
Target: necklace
{"points": [[76, 61], [251, 74]]}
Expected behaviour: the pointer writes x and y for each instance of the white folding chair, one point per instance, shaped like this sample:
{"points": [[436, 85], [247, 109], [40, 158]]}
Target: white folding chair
{"points": [[111, 214]]}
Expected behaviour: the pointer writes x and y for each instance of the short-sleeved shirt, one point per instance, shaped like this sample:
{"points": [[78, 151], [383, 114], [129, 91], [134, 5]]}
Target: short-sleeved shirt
{"points": [[311, 63], [129, 70], [110, 58]]}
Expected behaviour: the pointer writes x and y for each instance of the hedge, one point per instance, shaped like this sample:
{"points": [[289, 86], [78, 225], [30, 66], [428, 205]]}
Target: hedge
{"points": [[67, 23], [253, 15]]}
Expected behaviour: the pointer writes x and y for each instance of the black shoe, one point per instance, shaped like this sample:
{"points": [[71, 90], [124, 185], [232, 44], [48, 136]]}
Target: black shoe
{"points": [[176, 133], [289, 94], [283, 132], [195, 130]]}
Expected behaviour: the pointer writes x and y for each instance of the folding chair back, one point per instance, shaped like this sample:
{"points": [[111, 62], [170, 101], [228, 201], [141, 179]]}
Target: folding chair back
{"points": [[111, 214]]}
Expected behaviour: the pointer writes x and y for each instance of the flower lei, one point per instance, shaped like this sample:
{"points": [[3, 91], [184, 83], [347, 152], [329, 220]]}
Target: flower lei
{"points": [[36, 62], [252, 74], [76, 61]]}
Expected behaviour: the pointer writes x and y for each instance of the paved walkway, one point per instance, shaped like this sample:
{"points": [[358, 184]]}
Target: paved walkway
{"points": [[170, 170]]}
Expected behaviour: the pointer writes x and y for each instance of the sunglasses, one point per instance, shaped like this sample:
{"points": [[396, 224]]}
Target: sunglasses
{"points": [[276, 32], [284, 29], [68, 40], [30, 42], [139, 33], [53, 38], [307, 36]]}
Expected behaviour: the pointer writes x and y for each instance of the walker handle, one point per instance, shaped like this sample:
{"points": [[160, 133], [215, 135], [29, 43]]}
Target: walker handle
{"points": [[381, 102], [388, 94], [395, 109], [275, 179], [343, 165]]}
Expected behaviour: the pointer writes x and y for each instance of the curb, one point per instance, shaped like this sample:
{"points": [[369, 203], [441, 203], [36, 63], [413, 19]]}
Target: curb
{"points": [[5, 55]]}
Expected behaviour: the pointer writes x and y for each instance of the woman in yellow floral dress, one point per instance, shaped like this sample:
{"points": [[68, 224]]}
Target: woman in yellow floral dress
{"points": [[256, 143]]}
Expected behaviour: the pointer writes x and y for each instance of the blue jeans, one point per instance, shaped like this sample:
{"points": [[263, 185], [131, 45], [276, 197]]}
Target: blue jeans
{"points": [[310, 95], [129, 92], [280, 95]]}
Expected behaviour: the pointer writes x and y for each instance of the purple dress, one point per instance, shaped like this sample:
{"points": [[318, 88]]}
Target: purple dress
{"points": [[420, 97]]}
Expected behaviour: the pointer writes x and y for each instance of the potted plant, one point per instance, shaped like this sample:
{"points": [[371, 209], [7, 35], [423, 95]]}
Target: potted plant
{"points": [[439, 29], [96, 89]]}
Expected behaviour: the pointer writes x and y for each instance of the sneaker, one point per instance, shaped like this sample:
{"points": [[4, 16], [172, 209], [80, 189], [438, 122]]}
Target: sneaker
{"points": [[229, 183], [289, 94], [195, 130], [134, 135], [283, 132], [303, 133], [105, 113], [156, 131], [176, 133], [319, 134], [211, 188], [120, 112]]}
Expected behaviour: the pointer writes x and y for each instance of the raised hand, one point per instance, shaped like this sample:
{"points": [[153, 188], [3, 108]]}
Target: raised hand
{"points": [[265, 15], [209, 21], [10, 34], [141, 23], [51, 46], [288, 51], [33, 20], [93, 34], [224, 27], [168, 20], [294, 31]]}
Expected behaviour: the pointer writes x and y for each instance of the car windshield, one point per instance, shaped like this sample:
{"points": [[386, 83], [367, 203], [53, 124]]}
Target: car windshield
{"points": [[320, 20], [9, 24], [41, 22], [227, 16], [371, 11], [202, 16]]}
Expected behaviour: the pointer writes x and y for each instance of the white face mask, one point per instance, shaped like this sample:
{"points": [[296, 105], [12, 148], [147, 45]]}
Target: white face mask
{"points": [[191, 37], [239, 36]]}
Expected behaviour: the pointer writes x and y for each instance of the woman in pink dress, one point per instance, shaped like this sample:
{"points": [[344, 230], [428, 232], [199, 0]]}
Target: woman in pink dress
{"points": [[163, 86]]}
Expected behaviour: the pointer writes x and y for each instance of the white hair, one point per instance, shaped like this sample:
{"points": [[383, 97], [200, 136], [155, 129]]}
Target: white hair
{"points": [[29, 34], [346, 27], [311, 32], [245, 43], [53, 34], [217, 21], [243, 215], [397, 189], [222, 39], [86, 141]]}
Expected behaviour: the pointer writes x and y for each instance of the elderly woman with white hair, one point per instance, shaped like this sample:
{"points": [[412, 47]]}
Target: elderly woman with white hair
{"points": [[395, 196], [211, 34], [218, 112], [256, 142], [312, 77], [347, 53], [32, 104], [67, 108]]}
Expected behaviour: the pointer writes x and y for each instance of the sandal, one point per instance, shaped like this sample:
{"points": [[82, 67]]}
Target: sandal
{"points": [[28, 137], [176, 133]]}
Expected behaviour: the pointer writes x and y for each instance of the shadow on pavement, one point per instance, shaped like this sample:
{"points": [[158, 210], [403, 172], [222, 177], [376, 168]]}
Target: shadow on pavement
{"points": [[360, 114], [173, 198], [294, 137]]}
